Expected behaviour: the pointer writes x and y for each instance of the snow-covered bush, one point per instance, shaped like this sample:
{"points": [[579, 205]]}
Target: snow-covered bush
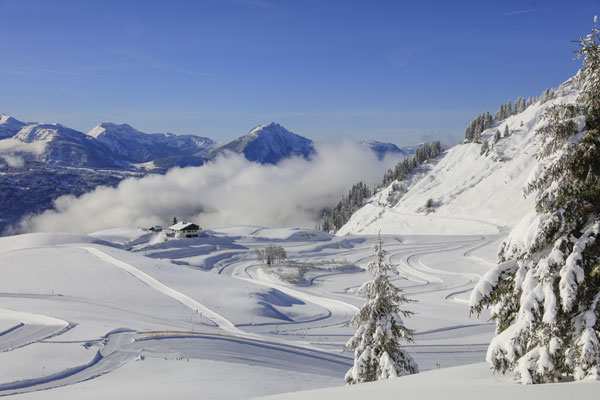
{"points": [[272, 254], [380, 329]]}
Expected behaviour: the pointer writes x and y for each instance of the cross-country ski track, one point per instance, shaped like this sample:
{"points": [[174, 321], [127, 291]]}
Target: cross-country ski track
{"points": [[433, 270]]}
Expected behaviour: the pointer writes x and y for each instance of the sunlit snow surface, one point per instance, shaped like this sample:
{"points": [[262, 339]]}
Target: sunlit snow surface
{"points": [[90, 316]]}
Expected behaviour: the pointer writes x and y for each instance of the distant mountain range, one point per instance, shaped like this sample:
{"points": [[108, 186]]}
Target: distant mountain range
{"points": [[40, 162], [121, 146]]}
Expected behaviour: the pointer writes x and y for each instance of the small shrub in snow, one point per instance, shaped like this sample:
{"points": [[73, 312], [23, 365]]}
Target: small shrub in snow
{"points": [[380, 329], [271, 255]]}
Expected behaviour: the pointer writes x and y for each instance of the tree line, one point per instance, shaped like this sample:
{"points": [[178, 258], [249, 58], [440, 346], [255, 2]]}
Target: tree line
{"points": [[333, 219]]}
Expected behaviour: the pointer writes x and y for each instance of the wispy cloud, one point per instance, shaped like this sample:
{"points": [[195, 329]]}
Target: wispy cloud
{"points": [[517, 12], [143, 60], [402, 56]]}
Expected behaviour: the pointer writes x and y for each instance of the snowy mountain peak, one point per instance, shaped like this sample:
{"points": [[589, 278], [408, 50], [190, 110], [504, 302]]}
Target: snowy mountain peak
{"points": [[272, 128], [269, 143], [112, 129], [8, 120], [9, 126]]}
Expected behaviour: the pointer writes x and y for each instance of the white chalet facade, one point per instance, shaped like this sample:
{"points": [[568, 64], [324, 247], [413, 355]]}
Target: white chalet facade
{"points": [[186, 229]]}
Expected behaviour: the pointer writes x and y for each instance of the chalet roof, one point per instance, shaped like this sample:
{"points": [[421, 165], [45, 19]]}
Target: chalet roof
{"points": [[182, 226]]}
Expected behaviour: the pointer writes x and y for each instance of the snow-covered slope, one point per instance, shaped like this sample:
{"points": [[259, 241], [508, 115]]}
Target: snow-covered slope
{"points": [[81, 317], [268, 144], [469, 192], [139, 147], [80, 314], [469, 382]]}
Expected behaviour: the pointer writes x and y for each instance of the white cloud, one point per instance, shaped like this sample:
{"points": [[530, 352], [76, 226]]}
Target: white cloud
{"points": [[12, 145], [13, 160], [228, 191]]}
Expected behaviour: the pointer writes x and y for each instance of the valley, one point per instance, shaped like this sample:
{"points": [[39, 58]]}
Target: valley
{"points": [[111, 303]]}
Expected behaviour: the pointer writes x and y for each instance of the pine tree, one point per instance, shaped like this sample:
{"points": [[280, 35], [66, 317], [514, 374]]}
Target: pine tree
{"points": [[545, 294], [485, 147], [380, 329]]}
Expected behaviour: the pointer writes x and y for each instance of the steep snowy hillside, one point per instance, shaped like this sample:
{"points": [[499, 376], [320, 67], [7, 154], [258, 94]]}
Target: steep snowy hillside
{"points": [[466, 190], [268, 144], [139, 147]]}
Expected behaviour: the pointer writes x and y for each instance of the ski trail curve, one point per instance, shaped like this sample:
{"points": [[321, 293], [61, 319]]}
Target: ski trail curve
{"points": [[187, 301], [334, 306]]}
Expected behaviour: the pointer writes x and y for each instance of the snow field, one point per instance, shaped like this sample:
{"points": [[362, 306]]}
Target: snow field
{"points": [[139, 304]]}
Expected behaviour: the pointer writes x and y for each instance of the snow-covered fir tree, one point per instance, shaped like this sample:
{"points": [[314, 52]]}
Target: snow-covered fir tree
{"points": [[545, 294], [380, 329], [477, 126]]}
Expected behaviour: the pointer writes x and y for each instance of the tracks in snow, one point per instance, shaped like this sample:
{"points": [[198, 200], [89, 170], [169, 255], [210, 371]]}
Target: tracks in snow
{"points": [[187, 301]]}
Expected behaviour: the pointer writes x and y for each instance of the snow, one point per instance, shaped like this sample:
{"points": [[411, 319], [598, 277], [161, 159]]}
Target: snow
{"points": [[178, 296], [187, 378], [468, 382], [124, 313], [483, 192], [111, 303], [572, 274], [41, 239], [11, 316]]}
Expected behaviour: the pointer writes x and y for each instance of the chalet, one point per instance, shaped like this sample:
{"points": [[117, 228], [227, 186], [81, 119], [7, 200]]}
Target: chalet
{"points": [[187, 229], [156, 228]]}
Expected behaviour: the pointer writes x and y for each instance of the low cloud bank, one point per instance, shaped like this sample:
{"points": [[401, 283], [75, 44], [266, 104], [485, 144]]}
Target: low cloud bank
{"points": [[13, 160], [12, 149], [228, 191]]}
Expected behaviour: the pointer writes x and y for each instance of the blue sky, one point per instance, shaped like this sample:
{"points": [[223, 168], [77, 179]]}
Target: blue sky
{"points": [[399, 71]]}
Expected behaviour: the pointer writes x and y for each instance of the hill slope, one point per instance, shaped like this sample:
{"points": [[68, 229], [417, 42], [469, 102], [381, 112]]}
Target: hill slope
{"points": [[468, 192]]}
